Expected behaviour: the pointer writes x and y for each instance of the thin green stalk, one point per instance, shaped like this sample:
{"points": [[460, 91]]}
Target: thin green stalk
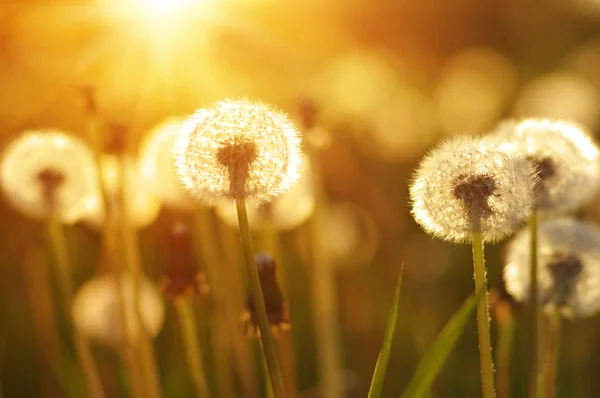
{"points": [[506, 337], [189, 333], [555, 324], [286, 358], [94, 136], [258, 299], [227, 299], [131, 258], [533, 306], [483, 318], [58, 243]]}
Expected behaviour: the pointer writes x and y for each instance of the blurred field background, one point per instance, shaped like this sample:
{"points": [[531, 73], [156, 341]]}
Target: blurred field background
{"points": [[390, 78]]}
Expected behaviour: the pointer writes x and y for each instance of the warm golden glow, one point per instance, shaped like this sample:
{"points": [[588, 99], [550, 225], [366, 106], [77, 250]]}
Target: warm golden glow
{"points": [[35, 151], [238, 149], [96, 313], [141, 205]]}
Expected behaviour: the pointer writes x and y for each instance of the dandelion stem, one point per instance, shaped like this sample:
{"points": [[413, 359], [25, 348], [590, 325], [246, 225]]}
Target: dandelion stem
{"points": [[533, 306], [483, 318], [552, 353], [83, 350], [190, 338], [266, 333], [506, 337]]}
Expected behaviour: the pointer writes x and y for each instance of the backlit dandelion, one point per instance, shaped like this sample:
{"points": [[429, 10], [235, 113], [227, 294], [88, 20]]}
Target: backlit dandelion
{"points": [[569, 267], [41, 159], [238, 149], [468, 181], [565, 158], [157, 164], [97, 314]]}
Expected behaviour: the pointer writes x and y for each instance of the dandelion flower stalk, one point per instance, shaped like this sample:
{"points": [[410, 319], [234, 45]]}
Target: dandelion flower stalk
{"points": [[51, 181], [190, 337], [268, 341], [553, 349], [533, 307]]}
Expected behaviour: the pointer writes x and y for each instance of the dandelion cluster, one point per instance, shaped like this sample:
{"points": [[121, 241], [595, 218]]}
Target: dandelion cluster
{"points": [[48, 158], [569, 266], [565, 158], [238, 149], [96, 310], [469, 184]]}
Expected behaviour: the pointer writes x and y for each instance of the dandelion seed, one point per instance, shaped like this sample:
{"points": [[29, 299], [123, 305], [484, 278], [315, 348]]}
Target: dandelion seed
{"points": [[39, 158], [238, 149], [467, 184], [569, 267], [97, 314], [157, 164], [565, 158]]}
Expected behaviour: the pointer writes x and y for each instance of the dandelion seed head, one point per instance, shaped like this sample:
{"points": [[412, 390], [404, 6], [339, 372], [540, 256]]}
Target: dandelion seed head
{"points": [[569, 267], [39, 160], [157, 164], [565, 158], [96, 310], [472, 180], [238, 149]]}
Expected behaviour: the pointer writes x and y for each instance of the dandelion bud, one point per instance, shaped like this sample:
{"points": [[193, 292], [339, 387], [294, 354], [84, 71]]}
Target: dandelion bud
{"points": [[287, 211], [238, 149], [568, 270], [141, 206], [277, 309], [470, 184], [157, 164], [96, 310], [182, 277], [565, 159], [48, 166]]}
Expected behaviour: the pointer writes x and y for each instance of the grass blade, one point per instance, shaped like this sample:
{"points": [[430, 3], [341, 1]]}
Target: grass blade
{"points": [[384, 355], [432, 363]]}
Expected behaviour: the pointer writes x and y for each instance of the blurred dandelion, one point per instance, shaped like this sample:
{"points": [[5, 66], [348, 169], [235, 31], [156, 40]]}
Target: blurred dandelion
{"points": [[96, 310], [569, 271], [565, 158], [238, 149], [287, 211], [157, 164], [142, 206], [560, 95], [33, 157], [472, 180]]}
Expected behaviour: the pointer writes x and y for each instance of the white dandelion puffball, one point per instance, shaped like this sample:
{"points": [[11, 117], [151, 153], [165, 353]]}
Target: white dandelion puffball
{"points": [[466, 181], [48, 150], [287, 211], [238, 149], [157, 164], [568, 267], [97, 315], [141, 205], [565, 157]]}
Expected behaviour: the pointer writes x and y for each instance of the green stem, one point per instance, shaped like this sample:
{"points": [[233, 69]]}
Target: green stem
{"points": [[189, 333], [506, 337], [131, 258], [83, 349], [483, 318], [258, 299], [533, 306], [552, 353]]}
